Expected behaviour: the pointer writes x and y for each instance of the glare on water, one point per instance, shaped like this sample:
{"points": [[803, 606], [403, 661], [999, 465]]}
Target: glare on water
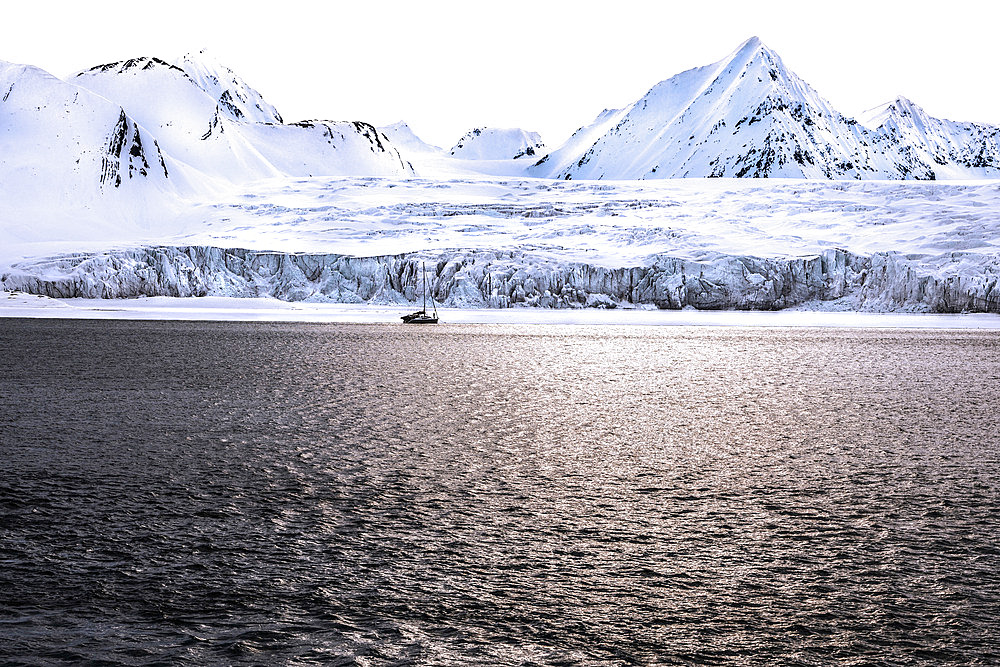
{"points": [[497, 494]]}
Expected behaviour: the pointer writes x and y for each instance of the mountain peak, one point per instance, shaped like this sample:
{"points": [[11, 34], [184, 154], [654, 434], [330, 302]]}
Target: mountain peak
{"points": [[746, 115], [751, 45], [401, 134], [234, 95], [754, 54], [202, 57], [904, 105], [491, 143], [750, 49], [203, 62], [142, 63], [900, 107]]}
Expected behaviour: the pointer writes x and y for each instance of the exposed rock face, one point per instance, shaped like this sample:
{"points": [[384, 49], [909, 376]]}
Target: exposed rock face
{"points": [[126, 156], [881, 282]]}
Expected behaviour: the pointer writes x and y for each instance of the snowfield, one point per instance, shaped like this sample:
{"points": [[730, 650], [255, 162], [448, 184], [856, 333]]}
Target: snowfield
{"points": [[150, 179], [609, 224], [231, 309]]}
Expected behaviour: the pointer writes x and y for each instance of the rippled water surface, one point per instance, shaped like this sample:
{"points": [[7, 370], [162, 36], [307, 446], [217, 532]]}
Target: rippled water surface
{"points": [[246, 493]]}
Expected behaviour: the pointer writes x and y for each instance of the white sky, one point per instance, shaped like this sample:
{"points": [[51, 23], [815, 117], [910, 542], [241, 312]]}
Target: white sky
{"points": [[547, 66]]}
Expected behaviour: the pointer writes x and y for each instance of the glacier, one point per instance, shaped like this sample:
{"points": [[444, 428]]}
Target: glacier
{"points": [[489, 242], [483, 279], [731, 186]]}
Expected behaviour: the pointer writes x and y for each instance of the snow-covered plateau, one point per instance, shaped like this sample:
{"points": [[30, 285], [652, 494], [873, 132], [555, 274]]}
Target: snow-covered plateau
{"points": [[150, 179]]}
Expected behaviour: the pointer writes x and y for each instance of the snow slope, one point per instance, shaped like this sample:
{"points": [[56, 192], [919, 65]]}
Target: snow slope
{"points": [[746, 116], [953, 150], [233, 95], [491, 143], [188, 122], [402, 136], [74, 166], [220, 140], [558, 163]]}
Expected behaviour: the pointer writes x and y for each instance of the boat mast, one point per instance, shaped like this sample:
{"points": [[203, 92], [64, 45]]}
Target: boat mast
{"points": [[423, 268]]}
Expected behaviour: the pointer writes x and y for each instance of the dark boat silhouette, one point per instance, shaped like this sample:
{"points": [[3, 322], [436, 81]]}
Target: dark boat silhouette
{"points": [[422, 316]]}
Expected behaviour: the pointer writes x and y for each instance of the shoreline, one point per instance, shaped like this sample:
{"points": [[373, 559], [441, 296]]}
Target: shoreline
{"points": [[231, 309]]}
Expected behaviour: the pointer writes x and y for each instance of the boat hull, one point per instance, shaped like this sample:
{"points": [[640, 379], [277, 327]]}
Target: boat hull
{"points": [[423, 319], [419, 317]]}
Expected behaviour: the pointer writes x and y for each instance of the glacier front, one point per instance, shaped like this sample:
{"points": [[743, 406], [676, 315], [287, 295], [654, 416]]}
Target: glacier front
{"points": [[502, 242]]}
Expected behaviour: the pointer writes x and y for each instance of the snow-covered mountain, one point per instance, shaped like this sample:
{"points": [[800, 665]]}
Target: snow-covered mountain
{"points": [[188, 122], [402, 136], [746, 116], [232, 134], [118, 150], [953, 149], [492, 143], [52, 128], [75, 161], [229, 90]]}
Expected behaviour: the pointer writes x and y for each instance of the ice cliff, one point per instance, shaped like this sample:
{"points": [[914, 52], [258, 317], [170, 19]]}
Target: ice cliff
{"points": [[499, 279]]}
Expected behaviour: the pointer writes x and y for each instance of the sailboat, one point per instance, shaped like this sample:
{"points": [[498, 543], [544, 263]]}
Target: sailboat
{"points": [[421, 316]]}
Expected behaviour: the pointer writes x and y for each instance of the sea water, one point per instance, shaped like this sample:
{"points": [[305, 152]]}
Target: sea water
{"points": [[246, 493]]}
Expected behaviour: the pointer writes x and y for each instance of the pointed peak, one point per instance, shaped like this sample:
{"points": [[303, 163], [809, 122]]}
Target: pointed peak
{"points": [[752, 47], [902, 103], [898, 102], [750, 51], [203, 64], [898, 108], [239, 99]]}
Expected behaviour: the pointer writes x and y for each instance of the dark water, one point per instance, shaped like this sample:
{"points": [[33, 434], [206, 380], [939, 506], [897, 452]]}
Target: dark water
{"points": [[373, 495]]}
